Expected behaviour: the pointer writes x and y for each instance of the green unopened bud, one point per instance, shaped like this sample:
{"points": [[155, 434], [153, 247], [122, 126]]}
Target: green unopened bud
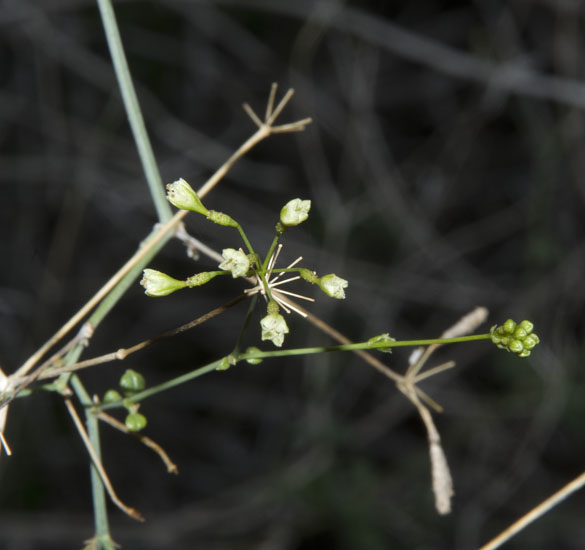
{"points": [[253, 360], [333, 286], [517, 338], [201, 278], [295, 212], [111, 396], [221, 219], [235, 261], [135, 422], [156, 283], [382, 339], [132, 381], [274, 328], [183, 196]]}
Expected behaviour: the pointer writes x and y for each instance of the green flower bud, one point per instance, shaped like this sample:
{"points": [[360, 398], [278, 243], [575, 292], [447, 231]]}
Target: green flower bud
{"points": [[135, 422], [274, 328], [253, 360], [201, 278], [383, 339], [295, 212], [515, 346], [530, 341], [221, 219], [156, 283], [111, 396], [183, 196], [132, 381], [518, 339], [235, 261], [333, 286]]}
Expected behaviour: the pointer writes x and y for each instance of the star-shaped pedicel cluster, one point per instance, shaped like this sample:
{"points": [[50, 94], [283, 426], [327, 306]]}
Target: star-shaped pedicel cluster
{"points": [[274, 284]]}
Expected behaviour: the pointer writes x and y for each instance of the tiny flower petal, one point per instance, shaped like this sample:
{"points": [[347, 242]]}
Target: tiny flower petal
{"points": [[274, 328], [295, 212], [183, 196], [333, 286], [235, 261], [156, 283]]}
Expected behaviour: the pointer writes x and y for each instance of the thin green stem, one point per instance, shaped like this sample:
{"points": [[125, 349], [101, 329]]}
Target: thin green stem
{"points": [[100, 510], [162, 387], [262, 272], [133, 110], [141, 396], [362, 346], [245, 324], [270, 251], [246, 241]]}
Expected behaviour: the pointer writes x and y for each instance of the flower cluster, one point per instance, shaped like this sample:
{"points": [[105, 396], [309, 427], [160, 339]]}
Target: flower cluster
{"points": [[238, 263], [517, 338]]}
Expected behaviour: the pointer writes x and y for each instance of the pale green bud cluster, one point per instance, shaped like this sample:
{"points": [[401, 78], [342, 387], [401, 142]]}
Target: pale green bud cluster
{"points": [[517, 338]]}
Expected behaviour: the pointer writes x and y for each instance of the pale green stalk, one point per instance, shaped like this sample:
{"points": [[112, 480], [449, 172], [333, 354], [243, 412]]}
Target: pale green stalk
{"points": [[133, 110], [210, 367]]}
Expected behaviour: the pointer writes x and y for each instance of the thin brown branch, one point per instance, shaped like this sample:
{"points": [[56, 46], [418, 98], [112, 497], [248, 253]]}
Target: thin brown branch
{"points": [[170, 465], [123, 353], [536, 513], [98, 464]]}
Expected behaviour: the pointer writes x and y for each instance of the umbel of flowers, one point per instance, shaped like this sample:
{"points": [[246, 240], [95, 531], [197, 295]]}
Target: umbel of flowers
{"points": [[240, 263]]}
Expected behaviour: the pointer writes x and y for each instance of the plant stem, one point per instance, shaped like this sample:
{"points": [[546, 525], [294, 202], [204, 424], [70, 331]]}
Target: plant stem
{"points": [[283, 353], [162, 387], [100, 510], [133, 110], [362, 346]]}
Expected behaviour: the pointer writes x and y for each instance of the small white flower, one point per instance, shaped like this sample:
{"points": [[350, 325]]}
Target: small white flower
{"points": [[235, 261], [156, 283], [295, 212], [333, 286], [183, 196], [274, 328]]}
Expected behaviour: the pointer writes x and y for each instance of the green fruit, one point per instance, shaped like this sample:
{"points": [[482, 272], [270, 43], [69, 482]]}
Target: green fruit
{"points": [[135, 422], [132, 381]]}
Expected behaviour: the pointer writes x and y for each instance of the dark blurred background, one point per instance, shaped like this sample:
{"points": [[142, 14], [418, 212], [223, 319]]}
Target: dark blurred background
{"points": [[445, 168]]}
